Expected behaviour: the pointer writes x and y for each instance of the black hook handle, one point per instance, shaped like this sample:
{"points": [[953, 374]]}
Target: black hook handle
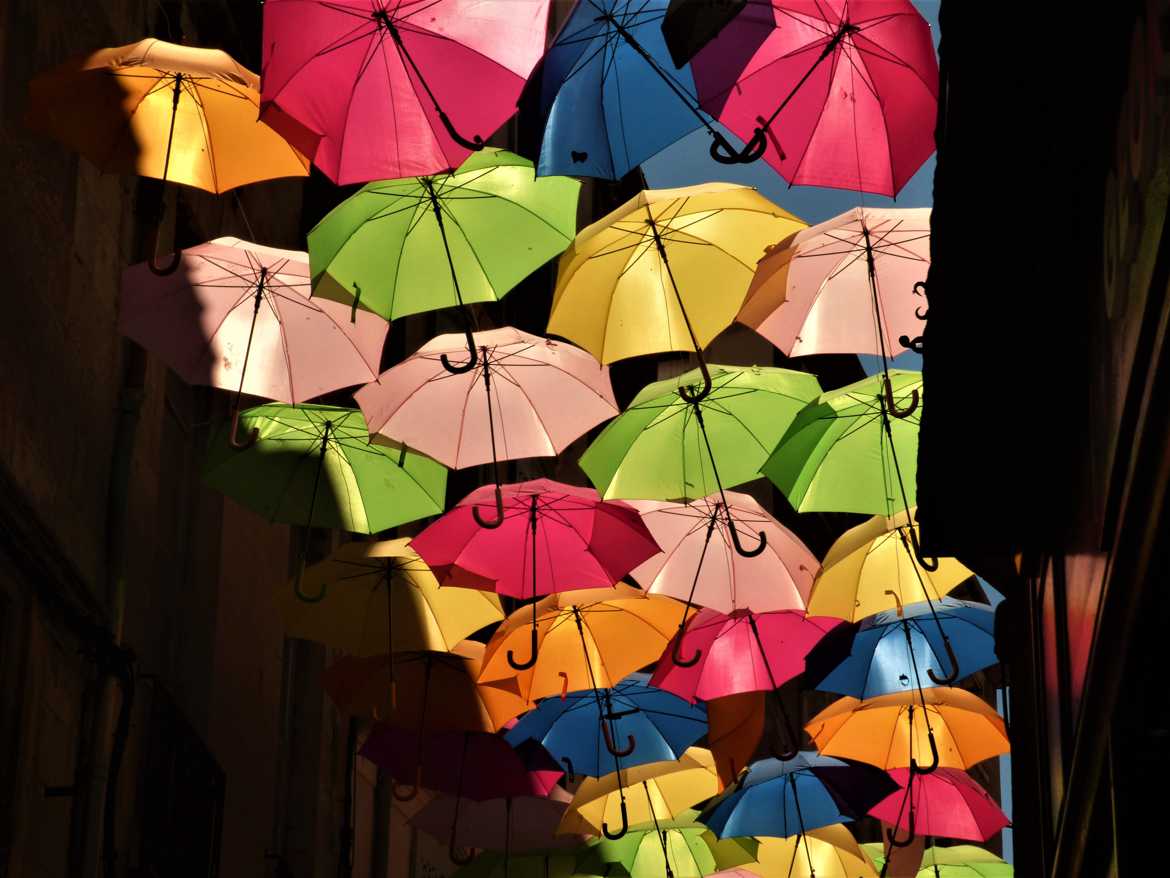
{"points": [[167, 268], [233, 437], [456, 858], [930, 564], [915, 768], [703, 392], [475, 144], [722, 151], [755, 148], [570, 774], [525, 665], [491, 524], [411, 792], [676, 653], [954, 672], [631, 743], [892, 832], [746, 553], [783, 755], [301, 594], [614, 836], [911, 344], [892, 407], [472, 354]]}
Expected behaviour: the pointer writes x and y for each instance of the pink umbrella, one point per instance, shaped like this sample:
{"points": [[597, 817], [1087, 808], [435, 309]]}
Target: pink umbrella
{"points": [[543, 394], [238, 316], [947, 803], [508, 824], [743, 651], [838, 93], [828, 288], [397, 88]]}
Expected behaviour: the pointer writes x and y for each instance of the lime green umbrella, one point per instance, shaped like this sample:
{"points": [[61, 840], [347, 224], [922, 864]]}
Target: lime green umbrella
{"points": [[854, 449], [959, 861], [400, 247], [679, 848]]}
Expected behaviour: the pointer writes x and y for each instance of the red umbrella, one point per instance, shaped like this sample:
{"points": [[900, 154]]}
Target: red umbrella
{"points": [[838, 93], [947, 803]]}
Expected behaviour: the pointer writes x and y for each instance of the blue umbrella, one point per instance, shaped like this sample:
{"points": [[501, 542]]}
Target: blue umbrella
{"points": [[892, 651], [608, 92], [584, 728], [779, 798]]}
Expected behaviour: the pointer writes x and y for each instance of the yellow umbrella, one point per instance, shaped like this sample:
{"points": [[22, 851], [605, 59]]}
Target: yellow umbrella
{"points": [[650, 793], [374, 598], [177, 113], [871, 568], [828, 852], [666, 271], [950, 726], [586, 639]]}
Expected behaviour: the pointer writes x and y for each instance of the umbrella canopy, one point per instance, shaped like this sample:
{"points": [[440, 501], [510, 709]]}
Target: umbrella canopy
{"points": [[398, 89], [314, 465], [588, 639], [238, 316], [740, 652], [662, 447], [155, 109], [735, 727], [812, 293], [553, 537], [958, 861], [640, 280], [526, 397], [870, 561], [679, 848], [662, 726], [699, 562], [691, 24], [827, 852], [894, 651], [526, 823], [890, 730], [845, 453], [782, 798], [837, 93], [405, 246], [946, 803], [379, 598], [538, 864]]}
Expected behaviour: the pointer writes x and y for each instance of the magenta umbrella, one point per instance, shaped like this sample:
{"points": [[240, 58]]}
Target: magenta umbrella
{"points": [[947, 803], [396, 88], [743, 651], [238, 316], [837, 93], [526, 396]]}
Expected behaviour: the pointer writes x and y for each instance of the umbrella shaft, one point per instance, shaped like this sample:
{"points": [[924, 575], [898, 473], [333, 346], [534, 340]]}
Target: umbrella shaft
{"points": [[178, 92], [673, 285], [841, 33], [256, 300]]}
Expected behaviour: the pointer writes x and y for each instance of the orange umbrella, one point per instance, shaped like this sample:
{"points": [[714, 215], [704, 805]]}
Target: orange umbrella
{"points": [[952, 727], [735, 726], [587, 639]]}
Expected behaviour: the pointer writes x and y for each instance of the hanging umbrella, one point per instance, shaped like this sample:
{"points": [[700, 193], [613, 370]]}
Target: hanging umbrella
{"points": [[837, 93], [790, 797], [381, 597], [588, 639], [678, 848], [958, 861], [538, 396], [832, 850], [406, 246], [895, 651], [947, 803], [735, 727], [238, 316], [690, 24], [952, 727], [538, 864], [640, 280], [828, 289], [574, 728], [396, 89], [510, 825]]}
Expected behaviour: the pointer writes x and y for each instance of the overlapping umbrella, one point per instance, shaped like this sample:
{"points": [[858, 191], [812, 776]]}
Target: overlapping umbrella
{"points": [[946, 803], [958, 861], [828, 852]]}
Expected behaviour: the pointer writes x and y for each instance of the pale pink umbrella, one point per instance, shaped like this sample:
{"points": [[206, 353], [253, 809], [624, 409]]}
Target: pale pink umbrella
{"points": [[238, 316], [396, 88], [847, 286]]}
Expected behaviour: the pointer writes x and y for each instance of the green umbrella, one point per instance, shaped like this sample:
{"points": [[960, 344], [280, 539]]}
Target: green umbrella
{"points": [[313, 465], [679, 848], [854, 449], [959, 861], [400, 247]]}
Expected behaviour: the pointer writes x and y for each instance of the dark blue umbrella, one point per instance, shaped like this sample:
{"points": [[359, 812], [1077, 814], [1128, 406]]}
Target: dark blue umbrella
{"points": [[608, 93], [779, 798], [892, 651], [584, 728]]}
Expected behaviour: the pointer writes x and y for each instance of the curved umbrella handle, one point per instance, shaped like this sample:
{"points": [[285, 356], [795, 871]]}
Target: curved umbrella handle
{"points": [[676, 653], [167, 268], [954, 672], [930, 564], [300, 592], [722, 151], [754, 149], [233, 437], [783, 755], [897, 600], [472, 354], [631, 743], [490, 524], [411, 791], [892, 407], [703, 392], [475, 144], [915, 768], [746, 553], [455, 858], [570, 774], [525, 665], [564, 684], [614, 836], [892, 834], [911, 344]]}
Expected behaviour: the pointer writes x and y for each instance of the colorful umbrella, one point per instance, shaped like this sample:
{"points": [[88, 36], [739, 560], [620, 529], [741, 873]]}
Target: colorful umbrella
{"points": [[957, 729], [837, 93], [845, 453], [832, 851], [947, 803], [576, 727], [525, 823], [895, 651], [639, 280], [959, 861], [238, 316], [406, 246], [538, 397], [673, 848], [849, 285], [396, 89], [690, 24], [381, 597]]}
